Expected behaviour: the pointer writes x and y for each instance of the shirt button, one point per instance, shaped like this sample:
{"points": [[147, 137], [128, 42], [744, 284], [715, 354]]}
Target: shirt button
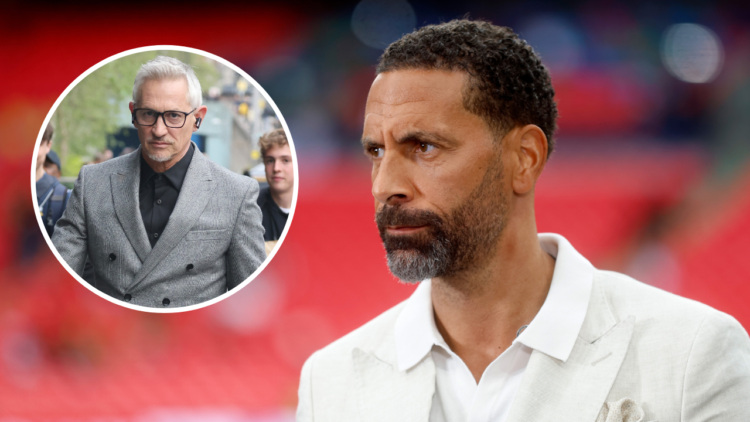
{"points": [[158, 202], [158, 177], [128, 297], [190, 267], [156, 235], [165, 302], [112, 257]]}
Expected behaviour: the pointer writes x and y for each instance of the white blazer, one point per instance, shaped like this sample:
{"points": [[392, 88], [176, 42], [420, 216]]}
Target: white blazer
{"points": [[676, 359]]}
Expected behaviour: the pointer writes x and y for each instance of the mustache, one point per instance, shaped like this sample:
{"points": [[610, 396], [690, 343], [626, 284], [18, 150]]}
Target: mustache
{"points": [[396, 215]]}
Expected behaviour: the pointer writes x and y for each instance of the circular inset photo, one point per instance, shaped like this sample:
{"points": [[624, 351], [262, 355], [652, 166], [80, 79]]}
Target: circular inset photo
{"points": [[164, 179]]}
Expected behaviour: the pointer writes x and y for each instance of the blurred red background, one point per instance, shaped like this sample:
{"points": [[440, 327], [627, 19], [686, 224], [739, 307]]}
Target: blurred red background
{"points": [[650, 178]]}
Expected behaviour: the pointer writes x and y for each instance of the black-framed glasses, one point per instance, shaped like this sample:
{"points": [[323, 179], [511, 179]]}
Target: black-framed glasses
{"points": [[172, 118]]}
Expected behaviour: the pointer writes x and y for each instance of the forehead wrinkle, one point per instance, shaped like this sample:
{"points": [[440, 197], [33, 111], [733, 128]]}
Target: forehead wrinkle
{"points": [[380, 107], [394, 114], [419, 106], [401, 125], [402, 102]]}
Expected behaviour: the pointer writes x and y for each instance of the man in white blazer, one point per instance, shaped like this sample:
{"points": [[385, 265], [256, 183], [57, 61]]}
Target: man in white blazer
{"points": [[508, 324]]}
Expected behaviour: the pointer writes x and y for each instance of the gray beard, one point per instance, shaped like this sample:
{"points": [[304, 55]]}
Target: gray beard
{"points": [[412, 266], [159, 159]]}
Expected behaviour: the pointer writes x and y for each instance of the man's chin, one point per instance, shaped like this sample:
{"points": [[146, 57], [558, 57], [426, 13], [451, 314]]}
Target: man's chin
{"points": [[279, 186], [159, 158], [412, 266]]}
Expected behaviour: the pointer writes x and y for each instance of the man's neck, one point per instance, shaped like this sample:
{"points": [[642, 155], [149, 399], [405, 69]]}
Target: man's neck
{"points": [[39, 172], [282, 199], [479, 312]]}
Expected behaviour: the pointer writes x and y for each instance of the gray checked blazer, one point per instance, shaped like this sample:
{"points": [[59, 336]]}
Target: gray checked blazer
{"points": [[213, 240]]}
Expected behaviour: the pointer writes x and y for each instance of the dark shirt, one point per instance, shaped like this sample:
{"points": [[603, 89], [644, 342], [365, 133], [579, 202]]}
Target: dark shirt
{"points": [[158, 194], [274, 219], [52, 197], [43, 186]]}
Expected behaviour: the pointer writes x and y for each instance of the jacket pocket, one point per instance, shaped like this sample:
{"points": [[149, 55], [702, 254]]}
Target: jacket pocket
{"points": [[207, 234]]}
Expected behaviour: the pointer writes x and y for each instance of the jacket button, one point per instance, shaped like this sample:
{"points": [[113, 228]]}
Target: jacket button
{"points": [[112, 257], [190, 267], [165, 302], [128, 297]]}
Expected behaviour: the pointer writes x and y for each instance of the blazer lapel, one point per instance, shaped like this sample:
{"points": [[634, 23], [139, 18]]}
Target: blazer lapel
{"points": [[125, 184], [193, 198], [386, 394], [577, 388]]}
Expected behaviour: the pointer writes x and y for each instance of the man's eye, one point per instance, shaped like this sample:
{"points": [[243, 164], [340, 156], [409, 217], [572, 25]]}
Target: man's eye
{"points": [[425, 147], [375, 152], [148, 113], [173, 115]]}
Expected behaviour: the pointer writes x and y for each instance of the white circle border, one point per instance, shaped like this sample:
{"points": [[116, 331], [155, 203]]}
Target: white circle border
{"points": [[262, 265]]}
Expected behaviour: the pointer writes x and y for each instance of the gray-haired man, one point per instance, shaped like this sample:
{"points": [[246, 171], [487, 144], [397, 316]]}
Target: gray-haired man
{"points": [[163, 226]]}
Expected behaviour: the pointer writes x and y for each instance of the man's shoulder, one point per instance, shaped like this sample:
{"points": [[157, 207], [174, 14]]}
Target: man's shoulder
{"points": [[702, 352], [229, 179], [264, 196], [372, 336], [659, 310], [44, 184], [113, 165], [99, 174]]}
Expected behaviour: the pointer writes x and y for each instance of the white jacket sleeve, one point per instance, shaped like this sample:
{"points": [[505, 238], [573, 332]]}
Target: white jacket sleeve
{"points": [[717, 377], [305, 405]]}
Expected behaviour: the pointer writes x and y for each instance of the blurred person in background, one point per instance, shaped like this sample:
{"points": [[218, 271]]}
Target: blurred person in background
{"points": [[51, 195], [119, 212], [102, 156], [52, 165], [125, 151], [275, 201], [506, 324]]}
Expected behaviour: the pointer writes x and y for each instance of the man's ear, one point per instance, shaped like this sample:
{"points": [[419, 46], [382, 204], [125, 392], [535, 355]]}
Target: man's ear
{"points": [[200, 114], [131, 106], [531, 152]]}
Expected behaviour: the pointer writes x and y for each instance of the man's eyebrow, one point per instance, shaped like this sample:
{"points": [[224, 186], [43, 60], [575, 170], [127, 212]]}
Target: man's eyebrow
{"points": [[367, 143], [421, 136], [413, 136]]}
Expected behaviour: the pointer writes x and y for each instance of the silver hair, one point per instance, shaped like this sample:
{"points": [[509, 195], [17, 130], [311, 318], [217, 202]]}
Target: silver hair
{"points": [[163, 67]]}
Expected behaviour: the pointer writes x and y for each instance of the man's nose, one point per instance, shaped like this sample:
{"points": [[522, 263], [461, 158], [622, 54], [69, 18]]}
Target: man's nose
{"points": [[159, 129], [391, 184], [277, 166]]}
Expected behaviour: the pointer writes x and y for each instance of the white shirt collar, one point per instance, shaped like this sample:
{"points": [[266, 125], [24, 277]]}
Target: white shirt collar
{"points": [[553, 331]]}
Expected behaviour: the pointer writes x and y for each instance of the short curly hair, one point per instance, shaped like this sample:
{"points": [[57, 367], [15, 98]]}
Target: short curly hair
{"points": [[274, 138], [508, 84]]}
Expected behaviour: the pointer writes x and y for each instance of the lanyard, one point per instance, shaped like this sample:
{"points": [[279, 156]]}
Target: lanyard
{"points": [[41, 206]]}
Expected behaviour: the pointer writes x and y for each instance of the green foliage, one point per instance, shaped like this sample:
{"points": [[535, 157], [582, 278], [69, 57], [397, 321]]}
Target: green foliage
{"points": [[89, 113], [75, 162]]}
